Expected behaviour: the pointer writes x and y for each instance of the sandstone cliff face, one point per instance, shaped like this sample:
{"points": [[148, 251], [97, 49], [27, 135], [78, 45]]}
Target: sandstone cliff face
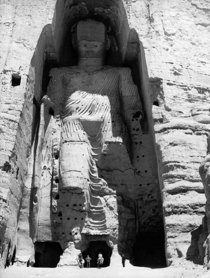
{"points": [[21, 26], [176, 39]]}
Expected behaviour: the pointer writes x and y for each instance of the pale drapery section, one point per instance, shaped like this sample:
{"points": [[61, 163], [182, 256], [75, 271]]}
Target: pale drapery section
{"points": [[83, 134]]}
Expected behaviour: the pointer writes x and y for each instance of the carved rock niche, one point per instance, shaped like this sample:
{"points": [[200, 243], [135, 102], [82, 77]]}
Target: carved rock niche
{"points": [[93, 184]]}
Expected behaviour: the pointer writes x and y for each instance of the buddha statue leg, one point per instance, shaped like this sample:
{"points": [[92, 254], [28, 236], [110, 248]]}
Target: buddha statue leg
{"points": [[79, 183], [122, 178]]}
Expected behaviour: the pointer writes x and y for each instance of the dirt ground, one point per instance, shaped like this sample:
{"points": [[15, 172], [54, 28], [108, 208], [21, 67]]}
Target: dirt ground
{"points": [[181, 270], [62, 272]]}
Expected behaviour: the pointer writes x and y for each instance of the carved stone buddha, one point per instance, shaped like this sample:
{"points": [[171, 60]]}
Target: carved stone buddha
{"points": [[88, 133]]}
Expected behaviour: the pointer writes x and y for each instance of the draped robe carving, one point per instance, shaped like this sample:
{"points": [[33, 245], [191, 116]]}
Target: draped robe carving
{"points": [[89, 123]]}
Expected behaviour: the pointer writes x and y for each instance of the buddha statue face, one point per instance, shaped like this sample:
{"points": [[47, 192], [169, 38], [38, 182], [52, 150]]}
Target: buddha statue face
{"points": [[91, 39], [90, 49]]}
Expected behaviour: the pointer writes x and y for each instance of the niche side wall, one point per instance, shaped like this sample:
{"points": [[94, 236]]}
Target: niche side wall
{"points": [[21, 26]]}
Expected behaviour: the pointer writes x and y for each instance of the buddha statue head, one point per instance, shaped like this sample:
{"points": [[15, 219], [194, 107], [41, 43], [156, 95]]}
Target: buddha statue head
{"points": [[90, 39]]}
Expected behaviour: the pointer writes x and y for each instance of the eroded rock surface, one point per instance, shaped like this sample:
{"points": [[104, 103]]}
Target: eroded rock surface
{"points": [[175, 36]]}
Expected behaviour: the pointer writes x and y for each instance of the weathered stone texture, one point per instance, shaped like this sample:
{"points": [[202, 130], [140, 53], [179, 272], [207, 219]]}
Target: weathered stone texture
{"points": [[176, 39], [20, 26]]}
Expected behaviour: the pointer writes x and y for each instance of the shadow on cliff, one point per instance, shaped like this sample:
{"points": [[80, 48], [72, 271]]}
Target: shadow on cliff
{"points": [[199, 244]]}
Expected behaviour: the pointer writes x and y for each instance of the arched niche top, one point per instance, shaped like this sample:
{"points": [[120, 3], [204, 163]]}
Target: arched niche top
{"points": [[111, 12]]}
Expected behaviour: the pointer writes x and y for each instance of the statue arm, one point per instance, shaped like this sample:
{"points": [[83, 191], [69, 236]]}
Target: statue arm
{"points": [[51, 99], [48, 104], [131, 109]]}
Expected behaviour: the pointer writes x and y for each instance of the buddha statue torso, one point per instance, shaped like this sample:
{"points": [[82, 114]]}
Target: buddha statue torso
{"points": [[90, 102]]}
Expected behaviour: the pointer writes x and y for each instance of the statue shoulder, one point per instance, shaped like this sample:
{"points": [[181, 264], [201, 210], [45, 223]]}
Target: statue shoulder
{"points": [[122, 72], [125, 72], [60, 72], [126, 75]]}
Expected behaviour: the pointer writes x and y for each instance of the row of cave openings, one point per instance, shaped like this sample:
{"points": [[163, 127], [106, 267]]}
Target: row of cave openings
{"points": [[147, 252], [47, 254]]}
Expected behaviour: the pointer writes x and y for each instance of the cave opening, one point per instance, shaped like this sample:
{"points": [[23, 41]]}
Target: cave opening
{"points": [[94, 249], [16, 79], [47, 254], [149, 250]]}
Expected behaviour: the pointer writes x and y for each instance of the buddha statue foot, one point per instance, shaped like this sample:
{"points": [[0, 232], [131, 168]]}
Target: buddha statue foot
{"points": [[69, 256]]}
